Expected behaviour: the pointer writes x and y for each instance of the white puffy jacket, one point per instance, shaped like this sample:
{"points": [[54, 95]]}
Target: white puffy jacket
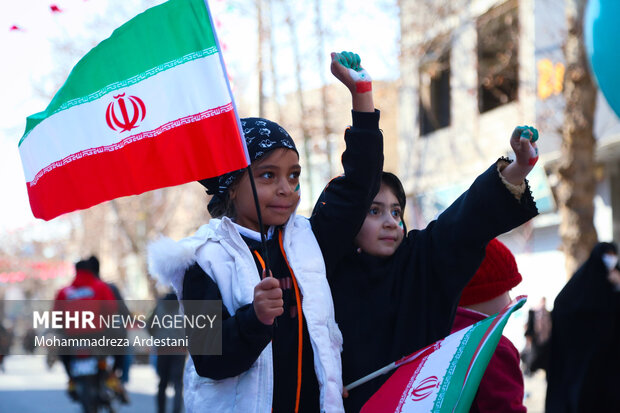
{"points": [[221, 252]]}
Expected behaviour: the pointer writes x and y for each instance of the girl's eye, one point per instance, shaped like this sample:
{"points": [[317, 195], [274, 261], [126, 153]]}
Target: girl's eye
{"points": [[294, 175], [373, 211], [267, 175], [396, 213]]}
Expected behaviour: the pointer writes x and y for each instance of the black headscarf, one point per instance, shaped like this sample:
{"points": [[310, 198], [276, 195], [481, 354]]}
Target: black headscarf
{"points": [[261, 137], [387, 178], [588, 289], [91, 264], [584, 360]]}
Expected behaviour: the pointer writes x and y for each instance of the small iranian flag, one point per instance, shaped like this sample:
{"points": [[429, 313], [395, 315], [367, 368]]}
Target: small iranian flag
{"points": [[147, 108], [444, 376]]}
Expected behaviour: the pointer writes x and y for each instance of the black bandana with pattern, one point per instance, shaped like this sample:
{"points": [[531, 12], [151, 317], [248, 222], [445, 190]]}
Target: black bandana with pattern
{"points": [[261, 137]]}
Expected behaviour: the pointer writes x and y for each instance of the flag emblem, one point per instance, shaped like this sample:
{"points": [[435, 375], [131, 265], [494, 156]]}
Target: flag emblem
{"points": [[125, 124], [425, 388]]}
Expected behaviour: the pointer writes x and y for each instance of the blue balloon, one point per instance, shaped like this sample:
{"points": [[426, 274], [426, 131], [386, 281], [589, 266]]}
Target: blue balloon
{"points": [[602, 41]]}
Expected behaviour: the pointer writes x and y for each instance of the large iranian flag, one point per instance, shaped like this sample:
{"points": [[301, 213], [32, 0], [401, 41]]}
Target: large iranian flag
{"points": [[443, 377], [147, 108]]}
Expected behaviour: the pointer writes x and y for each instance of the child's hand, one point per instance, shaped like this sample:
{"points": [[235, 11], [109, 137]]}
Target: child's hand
{"points": [[523, 142], [268, 303], [346, 68]]}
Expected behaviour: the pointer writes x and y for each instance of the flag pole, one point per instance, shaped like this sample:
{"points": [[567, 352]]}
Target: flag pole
{"points": [[371, 376], [263, 239], [385, 369]]}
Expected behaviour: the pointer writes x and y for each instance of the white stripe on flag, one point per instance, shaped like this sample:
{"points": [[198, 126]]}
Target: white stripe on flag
{"points": [[423, 388], [185, 90]]}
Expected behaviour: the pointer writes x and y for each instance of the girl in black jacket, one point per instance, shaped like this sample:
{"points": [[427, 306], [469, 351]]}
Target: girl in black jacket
{"points": [[396, 292]]}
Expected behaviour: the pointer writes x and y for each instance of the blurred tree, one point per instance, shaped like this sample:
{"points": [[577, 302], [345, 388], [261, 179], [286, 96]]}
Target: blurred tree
{"points": [[292, 23], [577, 166]]}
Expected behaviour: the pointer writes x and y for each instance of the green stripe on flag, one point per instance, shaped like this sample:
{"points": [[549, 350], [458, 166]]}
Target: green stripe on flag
{"points": [[454, 368], [466, 391], [466, 352], [172, 33]]}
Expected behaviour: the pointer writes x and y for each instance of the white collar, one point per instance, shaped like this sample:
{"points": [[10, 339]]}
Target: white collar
{"points": [[253, 235]]}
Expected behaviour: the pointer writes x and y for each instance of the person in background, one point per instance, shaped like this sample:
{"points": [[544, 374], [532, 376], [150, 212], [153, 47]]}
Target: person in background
{"points": [[537, 333], [487, 293], [584, 359], [122, 362], [6, 338], [169, 360], [85, 286]]}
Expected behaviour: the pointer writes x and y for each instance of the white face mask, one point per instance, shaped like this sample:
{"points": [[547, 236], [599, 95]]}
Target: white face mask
{"points": [[610, 261]]}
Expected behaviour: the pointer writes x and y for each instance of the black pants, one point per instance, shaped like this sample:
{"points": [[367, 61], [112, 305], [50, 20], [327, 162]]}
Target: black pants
{"points": [[170, 371]]}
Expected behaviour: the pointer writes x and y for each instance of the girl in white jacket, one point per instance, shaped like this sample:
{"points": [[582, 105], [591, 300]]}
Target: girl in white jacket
{"points": [[280, 343]]}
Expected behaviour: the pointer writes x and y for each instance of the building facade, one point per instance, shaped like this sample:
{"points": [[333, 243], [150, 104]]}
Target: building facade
{"points": [[471, 71]]}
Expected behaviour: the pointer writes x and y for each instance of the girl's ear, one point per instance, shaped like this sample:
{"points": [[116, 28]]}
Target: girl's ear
{"points": [[232, 190]]}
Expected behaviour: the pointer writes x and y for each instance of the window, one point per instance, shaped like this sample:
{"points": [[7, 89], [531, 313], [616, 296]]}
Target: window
{"points": [[498, 65], [435, 88]]}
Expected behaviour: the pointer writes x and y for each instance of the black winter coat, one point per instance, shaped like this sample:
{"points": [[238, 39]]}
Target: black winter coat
{"points": [[389, 308]]}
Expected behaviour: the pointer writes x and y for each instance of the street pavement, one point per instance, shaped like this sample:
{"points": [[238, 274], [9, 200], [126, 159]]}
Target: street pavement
{"points": [[535, 390], [28, 386]]}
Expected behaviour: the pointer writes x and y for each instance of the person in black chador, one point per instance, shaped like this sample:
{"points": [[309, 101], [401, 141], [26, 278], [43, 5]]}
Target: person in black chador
{"points": [[535, 355], [396, 292], [584, 364]]}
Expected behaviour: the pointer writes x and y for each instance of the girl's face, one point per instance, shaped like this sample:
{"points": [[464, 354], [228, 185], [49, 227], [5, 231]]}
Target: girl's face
{"points": [[382, 231], [277, 185]]}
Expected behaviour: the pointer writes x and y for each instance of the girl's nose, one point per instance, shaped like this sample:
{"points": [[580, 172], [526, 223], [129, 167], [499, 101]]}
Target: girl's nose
{"points": [[284, 188], [390, 221]]}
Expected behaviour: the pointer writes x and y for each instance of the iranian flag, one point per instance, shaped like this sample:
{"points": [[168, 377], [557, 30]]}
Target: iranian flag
{"points": [[444, 376], [147, 108]]}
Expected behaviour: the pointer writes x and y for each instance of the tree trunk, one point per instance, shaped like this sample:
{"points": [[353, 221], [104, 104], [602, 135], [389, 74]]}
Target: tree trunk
{"points": [[272, 65], [259, 62], [320, 34], [576, 168], [290, 22]]}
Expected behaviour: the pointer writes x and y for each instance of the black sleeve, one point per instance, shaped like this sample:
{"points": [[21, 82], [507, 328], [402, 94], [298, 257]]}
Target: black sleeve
{"points": [[458, 238], [342, 206], [244, 337]]}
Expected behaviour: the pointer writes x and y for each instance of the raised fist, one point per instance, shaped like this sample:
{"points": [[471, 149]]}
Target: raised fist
{"points": [[346, 67], [523, 142]]}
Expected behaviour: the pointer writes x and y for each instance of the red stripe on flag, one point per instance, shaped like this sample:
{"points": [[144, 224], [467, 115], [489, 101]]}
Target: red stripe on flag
{"points": [[192, 151], [389, 398]]}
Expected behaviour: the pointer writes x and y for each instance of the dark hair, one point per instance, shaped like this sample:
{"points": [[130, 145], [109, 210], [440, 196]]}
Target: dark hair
{"points": [[221, 205], [396, 186], [609, 248], [91, 264]]}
